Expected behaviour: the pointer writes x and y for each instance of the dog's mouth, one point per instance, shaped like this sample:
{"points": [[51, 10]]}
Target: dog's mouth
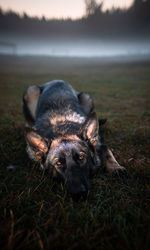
{"points": [[82, 196], [78, 191]]}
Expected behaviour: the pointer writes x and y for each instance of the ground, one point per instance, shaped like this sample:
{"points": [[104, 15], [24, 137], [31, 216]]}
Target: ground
{"points": [[36, 212]]}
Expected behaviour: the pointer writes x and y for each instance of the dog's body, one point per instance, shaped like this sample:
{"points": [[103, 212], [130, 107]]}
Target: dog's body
{"points": [[63, 134]]}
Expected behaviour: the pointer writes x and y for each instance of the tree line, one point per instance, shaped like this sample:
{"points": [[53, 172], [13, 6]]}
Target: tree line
{"points": [[134, 21]]}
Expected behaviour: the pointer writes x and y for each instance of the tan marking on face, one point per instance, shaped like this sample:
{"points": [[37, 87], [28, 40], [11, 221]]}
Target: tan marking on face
{"points": [[55, 142], [38, 157]]}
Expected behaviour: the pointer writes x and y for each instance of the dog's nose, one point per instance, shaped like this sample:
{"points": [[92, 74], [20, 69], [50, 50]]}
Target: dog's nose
{"points": [[78, 196], [79, 193], [83, 188]]}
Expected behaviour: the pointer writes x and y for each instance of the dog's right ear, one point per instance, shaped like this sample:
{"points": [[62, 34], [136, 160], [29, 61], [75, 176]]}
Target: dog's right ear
{"points": [[37, 143], [89, 130]]}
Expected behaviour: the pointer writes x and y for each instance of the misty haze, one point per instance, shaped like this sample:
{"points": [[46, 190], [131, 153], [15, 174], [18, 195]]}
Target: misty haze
{"points": [[97, 34], [79, 48]]}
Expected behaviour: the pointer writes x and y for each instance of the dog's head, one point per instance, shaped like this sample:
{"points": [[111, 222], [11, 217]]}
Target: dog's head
{"points": [[71, 156]]}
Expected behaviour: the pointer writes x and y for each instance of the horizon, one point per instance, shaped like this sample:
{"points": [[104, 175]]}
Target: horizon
{"points": [[112, 34], [74, 10]]}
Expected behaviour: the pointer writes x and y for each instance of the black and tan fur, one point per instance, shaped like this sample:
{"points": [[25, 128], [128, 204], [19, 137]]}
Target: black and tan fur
{"points": [[62, 134]]}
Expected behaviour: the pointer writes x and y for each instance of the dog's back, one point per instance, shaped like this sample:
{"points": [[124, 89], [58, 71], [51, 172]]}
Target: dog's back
{"points": [[58, 96], [56, 105]]}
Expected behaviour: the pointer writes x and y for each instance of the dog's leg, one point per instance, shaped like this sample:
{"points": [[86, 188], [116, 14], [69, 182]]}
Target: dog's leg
{"points": [[86, 102], [109, 162], [30, 100]]}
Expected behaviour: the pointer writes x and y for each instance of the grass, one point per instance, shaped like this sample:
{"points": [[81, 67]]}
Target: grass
{"points": [[37, 213]]}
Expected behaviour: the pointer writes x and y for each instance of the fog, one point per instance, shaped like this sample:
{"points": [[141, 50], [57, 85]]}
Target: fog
{"points": [[74, 48], [97, 34]]}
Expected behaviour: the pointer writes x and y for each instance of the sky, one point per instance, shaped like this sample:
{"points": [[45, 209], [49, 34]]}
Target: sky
{"points": [[57, 8]]}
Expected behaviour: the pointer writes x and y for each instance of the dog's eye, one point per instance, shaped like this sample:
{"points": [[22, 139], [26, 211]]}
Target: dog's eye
{"points": [[58, 163], [81, 157]]}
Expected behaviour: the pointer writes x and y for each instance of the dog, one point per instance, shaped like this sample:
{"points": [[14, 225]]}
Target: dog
{"points": [[62, 135]]}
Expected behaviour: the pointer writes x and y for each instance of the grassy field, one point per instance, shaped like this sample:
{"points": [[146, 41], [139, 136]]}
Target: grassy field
{"points": [[35, 212]]}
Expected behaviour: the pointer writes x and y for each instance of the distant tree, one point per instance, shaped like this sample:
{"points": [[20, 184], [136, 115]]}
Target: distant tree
{"points": [[93, 9], [1, 12], [91, 6], [43, 19], [25, 16], [141, 11], [96, 23], [138, 4]]}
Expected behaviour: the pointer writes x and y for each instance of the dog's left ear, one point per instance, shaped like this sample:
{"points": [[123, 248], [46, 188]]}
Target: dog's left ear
{"points": [[90, 128], [38, 144]]}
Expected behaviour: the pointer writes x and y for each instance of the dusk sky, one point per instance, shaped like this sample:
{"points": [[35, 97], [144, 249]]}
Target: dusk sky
{"points": [[57, 8]]}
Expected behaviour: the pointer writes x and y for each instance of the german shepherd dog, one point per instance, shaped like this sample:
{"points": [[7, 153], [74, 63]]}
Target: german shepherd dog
{"points": [[62, 135]]}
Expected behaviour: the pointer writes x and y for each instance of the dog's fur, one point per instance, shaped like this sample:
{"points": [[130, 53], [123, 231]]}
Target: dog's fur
{"points": [[62, 134]]}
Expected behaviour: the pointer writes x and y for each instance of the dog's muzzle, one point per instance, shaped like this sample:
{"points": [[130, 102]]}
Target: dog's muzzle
{"points": [[77, 185]]}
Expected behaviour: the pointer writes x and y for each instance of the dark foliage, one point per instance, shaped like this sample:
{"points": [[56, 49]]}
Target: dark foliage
{"points": [[134, 21]]}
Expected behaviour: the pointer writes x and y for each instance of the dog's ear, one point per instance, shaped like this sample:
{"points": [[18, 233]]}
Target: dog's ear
{"points": [[38, 144], [90, 128]]}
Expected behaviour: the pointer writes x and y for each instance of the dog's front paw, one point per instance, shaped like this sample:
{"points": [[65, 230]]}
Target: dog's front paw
{"points": [[118, 171]]}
